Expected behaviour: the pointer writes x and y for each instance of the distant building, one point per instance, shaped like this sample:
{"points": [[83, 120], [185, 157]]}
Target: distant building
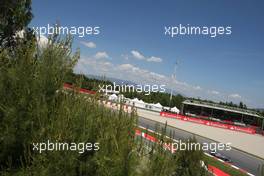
{"points": [[222, 113]]}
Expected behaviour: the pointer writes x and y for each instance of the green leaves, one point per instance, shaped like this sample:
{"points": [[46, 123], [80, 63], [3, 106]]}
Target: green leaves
{"points": [[15, 15]]}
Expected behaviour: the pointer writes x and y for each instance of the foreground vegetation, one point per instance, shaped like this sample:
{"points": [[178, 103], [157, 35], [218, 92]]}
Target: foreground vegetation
{"points": [[35, 109]]}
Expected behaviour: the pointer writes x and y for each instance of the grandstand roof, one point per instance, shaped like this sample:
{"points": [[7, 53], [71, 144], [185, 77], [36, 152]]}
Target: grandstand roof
{"points": [[222, 107]]}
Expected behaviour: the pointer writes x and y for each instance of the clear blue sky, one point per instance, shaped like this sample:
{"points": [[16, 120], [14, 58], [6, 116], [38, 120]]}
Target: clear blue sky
{"points": [[222, 68]]}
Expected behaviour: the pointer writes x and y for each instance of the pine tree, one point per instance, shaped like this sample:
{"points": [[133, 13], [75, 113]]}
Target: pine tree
{"points": [[15, 16]]}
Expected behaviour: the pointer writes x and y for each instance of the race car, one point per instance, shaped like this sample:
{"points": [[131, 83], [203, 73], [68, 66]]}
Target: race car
{"points": [[220, 156]]}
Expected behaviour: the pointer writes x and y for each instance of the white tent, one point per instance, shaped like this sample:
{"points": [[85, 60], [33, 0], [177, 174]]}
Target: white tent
{"points": [[135, 100], [167, 108], [113, 97], [158, 105], [175, 109], [140, 101]]}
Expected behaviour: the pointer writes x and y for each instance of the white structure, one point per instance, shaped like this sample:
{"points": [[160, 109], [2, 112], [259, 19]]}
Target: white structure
{"points": [[109, 92], [167, 108], [175, 109], [141, 104], [113, 97], [138, 103], [150, 106], [156, 107]]}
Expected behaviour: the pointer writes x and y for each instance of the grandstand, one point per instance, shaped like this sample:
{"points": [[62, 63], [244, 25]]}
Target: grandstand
{"points": [[223, 114]]}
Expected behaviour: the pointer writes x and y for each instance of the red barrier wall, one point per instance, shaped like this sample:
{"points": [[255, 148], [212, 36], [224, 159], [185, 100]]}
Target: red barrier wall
{"points": [[217, 171], [81, 90], [249, 130]]}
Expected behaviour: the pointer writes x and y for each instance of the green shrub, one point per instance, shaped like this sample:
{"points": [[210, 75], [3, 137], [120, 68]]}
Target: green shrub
{"points": [[34, 108]]}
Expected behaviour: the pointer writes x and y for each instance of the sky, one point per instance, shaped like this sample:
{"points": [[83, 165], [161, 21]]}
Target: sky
{"points": [[132, 44]]}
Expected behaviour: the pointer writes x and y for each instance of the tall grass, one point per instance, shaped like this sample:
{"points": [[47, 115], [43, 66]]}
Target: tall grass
{"points": [[34, 108]]}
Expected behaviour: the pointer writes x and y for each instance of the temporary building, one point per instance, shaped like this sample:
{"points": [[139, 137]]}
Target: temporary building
{"points": [[175, 109], [158, 105], [135, 100], [113, 97]]}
